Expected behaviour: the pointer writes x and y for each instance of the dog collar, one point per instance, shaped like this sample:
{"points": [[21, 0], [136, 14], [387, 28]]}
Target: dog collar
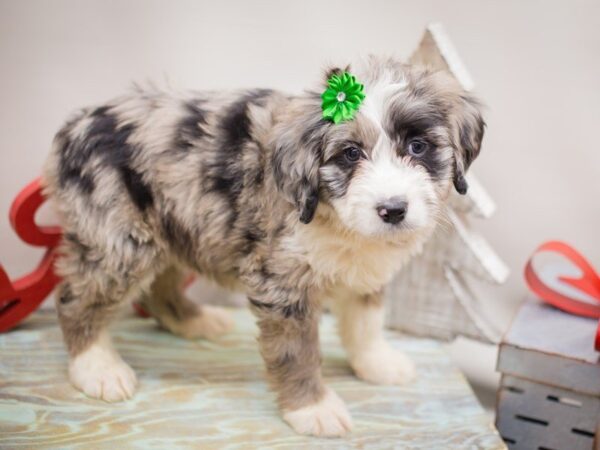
{"points": [[342, 98]]}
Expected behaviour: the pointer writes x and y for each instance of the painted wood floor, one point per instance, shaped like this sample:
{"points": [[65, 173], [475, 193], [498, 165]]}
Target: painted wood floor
{"points": [[212, 395]]}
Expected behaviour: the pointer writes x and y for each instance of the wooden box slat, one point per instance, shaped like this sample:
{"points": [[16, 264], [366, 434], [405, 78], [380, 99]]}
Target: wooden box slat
{"points": [[532, 415]]}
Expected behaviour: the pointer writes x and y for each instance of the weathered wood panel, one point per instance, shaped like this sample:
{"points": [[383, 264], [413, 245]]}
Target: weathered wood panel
{"points": [[197, 394], [552, 347], [533, 415]]}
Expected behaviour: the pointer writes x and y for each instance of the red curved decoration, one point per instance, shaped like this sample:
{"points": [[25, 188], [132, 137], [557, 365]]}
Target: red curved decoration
{"points": [[21, 297], [589, 283]]}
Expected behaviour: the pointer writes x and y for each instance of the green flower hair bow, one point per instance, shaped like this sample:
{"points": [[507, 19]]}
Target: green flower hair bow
{"points": [[342, 98]]}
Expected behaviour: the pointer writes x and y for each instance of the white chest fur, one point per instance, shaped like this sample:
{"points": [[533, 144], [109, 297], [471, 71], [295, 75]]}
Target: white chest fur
{"points": [[340, 258]]}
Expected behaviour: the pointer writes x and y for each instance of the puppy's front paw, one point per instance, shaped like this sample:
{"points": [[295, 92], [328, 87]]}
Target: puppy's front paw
{"points": [[101, 373], [210, 323], [383, 364], [328, 417]]}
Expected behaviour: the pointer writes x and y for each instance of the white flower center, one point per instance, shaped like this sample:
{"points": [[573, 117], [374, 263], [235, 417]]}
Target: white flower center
{"points": [[341, 96]]}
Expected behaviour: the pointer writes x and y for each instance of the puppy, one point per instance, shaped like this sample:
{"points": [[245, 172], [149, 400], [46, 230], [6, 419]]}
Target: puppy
{"points": [[256, 190]]}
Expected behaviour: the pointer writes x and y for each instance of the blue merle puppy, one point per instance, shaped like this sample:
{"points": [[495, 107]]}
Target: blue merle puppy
{"points": [[255, 190]]}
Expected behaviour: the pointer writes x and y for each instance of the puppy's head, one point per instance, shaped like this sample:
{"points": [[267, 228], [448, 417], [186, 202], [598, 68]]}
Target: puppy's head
{"points": [[387, 171]]}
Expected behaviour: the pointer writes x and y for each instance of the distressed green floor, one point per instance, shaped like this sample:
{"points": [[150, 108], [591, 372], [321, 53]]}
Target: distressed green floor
{"points": [[213, 395]]}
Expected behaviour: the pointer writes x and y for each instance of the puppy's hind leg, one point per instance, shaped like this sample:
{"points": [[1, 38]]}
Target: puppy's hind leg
{"points": [[95, 286], [178, 314]]}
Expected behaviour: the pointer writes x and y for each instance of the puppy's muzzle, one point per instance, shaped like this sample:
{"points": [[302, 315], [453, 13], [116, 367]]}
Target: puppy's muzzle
{"points": [[393, 210]]}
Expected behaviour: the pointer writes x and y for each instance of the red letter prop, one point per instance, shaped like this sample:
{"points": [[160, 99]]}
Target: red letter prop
{"points": [[21, 297]]}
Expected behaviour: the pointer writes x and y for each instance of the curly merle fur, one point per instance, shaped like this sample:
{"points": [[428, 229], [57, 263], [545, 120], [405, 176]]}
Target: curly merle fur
{"points": [[255, 190]]}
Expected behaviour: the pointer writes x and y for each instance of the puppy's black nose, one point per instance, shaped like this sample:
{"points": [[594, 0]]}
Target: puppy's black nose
{"points": [[393, 210]]}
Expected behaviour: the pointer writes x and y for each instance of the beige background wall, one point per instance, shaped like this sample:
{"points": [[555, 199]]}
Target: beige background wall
{"points": [[536, 64]]}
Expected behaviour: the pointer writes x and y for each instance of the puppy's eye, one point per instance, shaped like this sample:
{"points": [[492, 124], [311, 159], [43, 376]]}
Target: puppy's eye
{"points": [[352, 154], [417, 147]]}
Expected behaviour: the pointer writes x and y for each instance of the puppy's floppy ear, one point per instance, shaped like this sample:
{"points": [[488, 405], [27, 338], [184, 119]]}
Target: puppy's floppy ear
{"points": [[298, 153], [469, 128]]}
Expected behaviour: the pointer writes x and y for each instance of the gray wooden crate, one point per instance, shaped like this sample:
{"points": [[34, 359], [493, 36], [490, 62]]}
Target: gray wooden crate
{"points": [[533, 415], [549, 396]]}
